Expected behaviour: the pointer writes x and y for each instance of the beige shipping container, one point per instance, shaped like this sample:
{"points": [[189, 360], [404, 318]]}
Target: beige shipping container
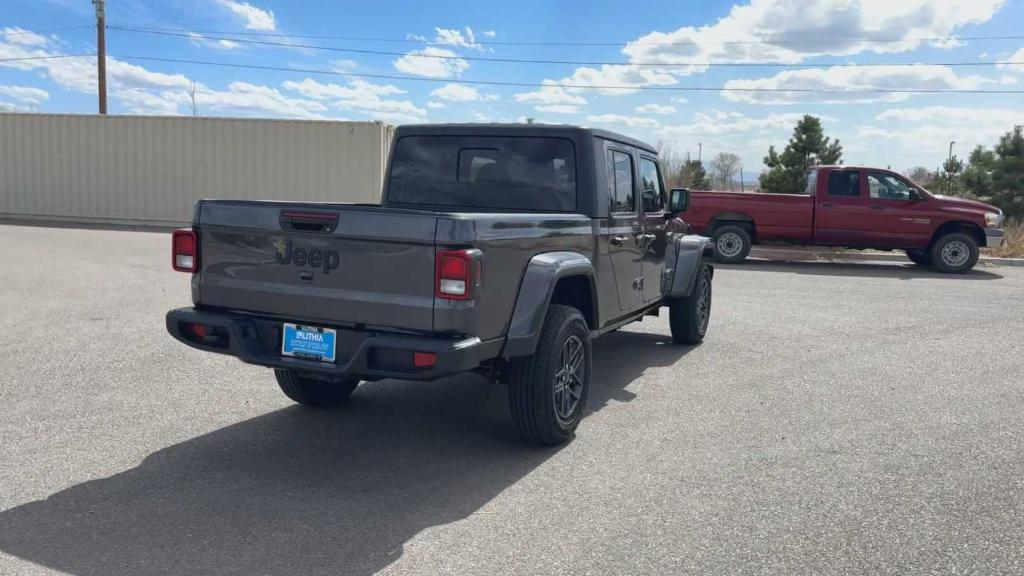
{"points": [[146, 170]]}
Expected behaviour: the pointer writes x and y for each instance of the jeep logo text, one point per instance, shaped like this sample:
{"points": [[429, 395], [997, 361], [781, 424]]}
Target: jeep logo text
{"points": [[326, 260]]}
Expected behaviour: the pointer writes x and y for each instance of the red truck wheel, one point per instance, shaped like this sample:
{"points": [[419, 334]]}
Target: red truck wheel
{"points": [[955, 253], [732, 244]]}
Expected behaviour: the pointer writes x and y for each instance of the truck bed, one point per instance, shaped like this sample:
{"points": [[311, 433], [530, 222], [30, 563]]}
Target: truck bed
{"points": [[779, 217]]}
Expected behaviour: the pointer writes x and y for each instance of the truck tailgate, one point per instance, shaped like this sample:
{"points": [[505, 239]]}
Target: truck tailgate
{"points": [[325, 263]]}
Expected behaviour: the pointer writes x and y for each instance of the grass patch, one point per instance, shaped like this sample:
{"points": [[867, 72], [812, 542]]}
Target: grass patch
{"points": [[1014, 247]]}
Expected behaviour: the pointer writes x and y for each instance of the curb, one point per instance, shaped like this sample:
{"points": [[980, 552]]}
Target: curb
{"points": [[823, 255]]}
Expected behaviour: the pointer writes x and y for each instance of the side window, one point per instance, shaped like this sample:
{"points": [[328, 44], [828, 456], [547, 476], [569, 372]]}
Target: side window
{"points": [[844, 183], [812, 182], [620, 182], [650, 186], [888, 187]]}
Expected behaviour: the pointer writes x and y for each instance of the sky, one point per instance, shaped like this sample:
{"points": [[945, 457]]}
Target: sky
{"points": [[655, 70]]}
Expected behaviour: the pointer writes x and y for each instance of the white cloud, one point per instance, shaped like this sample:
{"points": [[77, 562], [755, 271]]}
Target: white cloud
{"points": [[793, 84], [357, 88], [436, 105], [787, 31], [653, 108], [925, 133], [255, 18], [362, 96], [431, 62], [27, 94], [1008, 80], [489, 33], [679, 99], [461, 93], [719, 122], [23, 37], [630, 121], [199, 40], [1017, 56], [625, 79], [558, 108], [453, 37], [550, 93]]}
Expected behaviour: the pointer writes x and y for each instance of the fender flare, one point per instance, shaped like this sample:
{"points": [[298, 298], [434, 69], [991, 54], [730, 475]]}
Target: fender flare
{"points": [[684, 258], [543, 272]]}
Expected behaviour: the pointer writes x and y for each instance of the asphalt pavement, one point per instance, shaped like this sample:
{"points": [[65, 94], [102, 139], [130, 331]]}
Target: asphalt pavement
{"points": [[838, 419]]}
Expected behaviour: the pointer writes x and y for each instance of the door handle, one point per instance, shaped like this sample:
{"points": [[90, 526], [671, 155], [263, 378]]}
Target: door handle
{"points": [[877, 207], [619, 240], [828, 205]]}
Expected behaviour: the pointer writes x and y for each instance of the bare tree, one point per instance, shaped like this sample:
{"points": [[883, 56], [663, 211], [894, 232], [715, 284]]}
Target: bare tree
{"points": [[671, 162], [191, 90], [723, 168], [921, 175]]}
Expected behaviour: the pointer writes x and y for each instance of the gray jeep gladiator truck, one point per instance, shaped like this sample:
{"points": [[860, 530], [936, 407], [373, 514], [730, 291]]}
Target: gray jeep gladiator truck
{"points": [[500, 249]]}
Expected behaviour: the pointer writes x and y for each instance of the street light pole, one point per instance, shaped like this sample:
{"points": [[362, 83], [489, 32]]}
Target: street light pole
{"points": [[700, 149], [101, 52], [949, 163]]}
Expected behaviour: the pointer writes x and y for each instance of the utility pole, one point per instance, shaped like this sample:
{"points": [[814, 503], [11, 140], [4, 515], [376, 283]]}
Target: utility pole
{"points": [[700, 149], [101, 52], [742, 186]]}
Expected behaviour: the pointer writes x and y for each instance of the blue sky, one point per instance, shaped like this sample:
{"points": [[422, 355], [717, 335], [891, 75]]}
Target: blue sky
{"points": [[803, 41]]}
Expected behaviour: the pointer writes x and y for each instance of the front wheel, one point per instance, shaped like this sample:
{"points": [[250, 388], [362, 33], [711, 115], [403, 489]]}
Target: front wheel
{"points": [[689, 317], [955, 253], [313, 390], [732, 244], [548, 390]]}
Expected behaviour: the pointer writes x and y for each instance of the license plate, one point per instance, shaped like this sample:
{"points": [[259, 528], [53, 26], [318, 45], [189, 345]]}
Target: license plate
{"points": [[308, 342]]}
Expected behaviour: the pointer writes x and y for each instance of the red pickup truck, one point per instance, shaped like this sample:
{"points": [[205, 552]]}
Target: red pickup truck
{"points": [[853, 207]]}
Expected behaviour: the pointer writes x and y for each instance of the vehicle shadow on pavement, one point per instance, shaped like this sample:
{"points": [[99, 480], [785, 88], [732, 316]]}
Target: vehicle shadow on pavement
{"points": [[300, 491], [863, 269]]}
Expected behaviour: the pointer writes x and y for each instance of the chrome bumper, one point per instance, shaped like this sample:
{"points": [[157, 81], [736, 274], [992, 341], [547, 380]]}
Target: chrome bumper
{"points": [[994, 237]]}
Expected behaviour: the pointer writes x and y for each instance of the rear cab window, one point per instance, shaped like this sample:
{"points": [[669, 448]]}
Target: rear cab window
{"points": [[620, 183], [484, 172], [844, 183]]}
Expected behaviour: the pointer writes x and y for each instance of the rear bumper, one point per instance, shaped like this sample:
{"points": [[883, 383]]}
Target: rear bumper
{"points": [[994, 237], [368, 355]]}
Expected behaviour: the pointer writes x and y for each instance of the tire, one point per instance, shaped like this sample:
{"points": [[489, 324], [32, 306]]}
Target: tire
{"points": [[921, 257], [315, 390], [688, 317], [732, 244], [537, 382], [954, 253]]}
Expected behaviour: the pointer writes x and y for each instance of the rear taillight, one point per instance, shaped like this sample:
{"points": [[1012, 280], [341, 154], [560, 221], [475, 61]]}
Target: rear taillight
{"points": [[184, 251], [454, 275]]}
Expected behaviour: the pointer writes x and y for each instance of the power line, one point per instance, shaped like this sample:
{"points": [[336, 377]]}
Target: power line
{"points": [[564, 62], [778, 41], [45, 30], [580, 86], [50, 57]]}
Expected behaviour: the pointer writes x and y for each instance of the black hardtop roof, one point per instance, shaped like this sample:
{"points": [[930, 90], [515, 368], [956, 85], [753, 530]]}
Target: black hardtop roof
{"points": [[494, 129]]}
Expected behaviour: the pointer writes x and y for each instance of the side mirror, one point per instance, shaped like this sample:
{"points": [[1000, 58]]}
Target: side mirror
{"points": [[915, 196], [678, 200]]}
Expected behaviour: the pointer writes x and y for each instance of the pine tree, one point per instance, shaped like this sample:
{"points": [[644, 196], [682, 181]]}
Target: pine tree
{"points": [[808, 147]]}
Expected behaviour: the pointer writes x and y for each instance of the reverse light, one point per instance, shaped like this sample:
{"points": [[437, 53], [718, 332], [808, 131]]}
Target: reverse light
{"points": [[184, 253], [454, 275]]}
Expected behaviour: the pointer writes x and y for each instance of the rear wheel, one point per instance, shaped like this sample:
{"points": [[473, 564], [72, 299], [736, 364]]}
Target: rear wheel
{"points": [[920, 257], [689, 317], [548, 390], [955, 253], [732, 244], [314, 390]]}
